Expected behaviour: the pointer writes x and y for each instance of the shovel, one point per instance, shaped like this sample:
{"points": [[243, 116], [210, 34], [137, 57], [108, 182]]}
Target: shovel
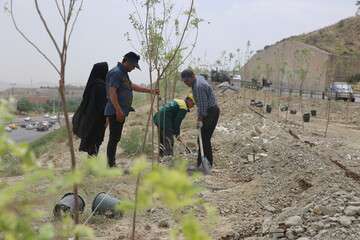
{"points": [[205, 165]]}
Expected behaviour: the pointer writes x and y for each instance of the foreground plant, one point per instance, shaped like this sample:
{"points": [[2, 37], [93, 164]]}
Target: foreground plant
{"points": [[173, 189]]}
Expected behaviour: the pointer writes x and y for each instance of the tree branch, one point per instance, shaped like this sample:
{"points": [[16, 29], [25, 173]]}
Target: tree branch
{"points": [[75, 20], [180, 42], [30, 41], [63, 8], [47, 28], [59, 10]]}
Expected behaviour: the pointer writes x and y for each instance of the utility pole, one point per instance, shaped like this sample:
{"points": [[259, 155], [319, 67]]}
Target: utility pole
{"points": [[12, 89]]}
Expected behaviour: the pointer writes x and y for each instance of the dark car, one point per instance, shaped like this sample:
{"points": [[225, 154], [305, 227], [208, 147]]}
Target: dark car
{"points": [[42, 128]]}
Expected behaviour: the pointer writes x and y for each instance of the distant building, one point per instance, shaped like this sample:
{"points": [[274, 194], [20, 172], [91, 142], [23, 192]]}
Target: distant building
{"points": [[42, 94]]}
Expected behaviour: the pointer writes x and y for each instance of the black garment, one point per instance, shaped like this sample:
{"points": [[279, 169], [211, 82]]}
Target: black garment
{"points": [[207, 130], [89, 120], [115, 135], [166, 142]]}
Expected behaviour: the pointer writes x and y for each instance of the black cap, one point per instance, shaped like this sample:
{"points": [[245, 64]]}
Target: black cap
{"points": [[133, 59], [187, 73]]}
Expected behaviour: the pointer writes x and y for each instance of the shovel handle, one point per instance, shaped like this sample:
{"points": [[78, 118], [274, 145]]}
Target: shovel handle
{"points": [[201, 144]]}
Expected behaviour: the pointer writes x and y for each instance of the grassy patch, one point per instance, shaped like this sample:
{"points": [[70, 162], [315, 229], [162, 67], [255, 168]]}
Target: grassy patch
{"points": [[132, 141], [42, 144], [10, 166]]}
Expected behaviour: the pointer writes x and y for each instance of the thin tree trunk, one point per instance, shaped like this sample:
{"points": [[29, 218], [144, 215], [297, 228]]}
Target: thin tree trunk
{"points": [[135, 207], [70, 141], [328, 117]]}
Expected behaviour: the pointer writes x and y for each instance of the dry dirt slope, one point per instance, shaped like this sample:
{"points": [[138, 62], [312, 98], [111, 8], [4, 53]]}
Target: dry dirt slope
{"points": [[266, 183], [341, 38]]}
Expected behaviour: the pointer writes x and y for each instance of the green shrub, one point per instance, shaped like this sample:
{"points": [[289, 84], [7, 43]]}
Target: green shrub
{"points": [[42, 144], [10, 166], [132, 141]]}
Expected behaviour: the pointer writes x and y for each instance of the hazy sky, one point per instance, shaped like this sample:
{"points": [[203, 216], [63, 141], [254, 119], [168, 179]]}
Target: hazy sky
{"points": [[99, 35]]}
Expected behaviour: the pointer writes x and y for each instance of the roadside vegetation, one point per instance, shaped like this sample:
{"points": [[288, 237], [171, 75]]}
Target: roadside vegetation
{"points": [[43, 144]]}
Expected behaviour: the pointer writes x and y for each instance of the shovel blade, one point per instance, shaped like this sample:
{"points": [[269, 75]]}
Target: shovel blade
{"points": [[205, 166]]}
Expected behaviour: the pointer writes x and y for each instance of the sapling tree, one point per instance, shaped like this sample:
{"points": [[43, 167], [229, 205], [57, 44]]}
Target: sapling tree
{"points": [[164, 36], [302, 61], [68, 13]]}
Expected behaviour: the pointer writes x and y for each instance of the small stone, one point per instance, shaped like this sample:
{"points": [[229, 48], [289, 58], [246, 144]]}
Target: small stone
{"points": [[278, 230], [327, 210], [164, 224], [345, 221], [351, 210], [266, 225], [293, 221], [269, 208], [317, 210], [298, 229], [356, 204], [278, 235], [290, 235], [319, 225]]}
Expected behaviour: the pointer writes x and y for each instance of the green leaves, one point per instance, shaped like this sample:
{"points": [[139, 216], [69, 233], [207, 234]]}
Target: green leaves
{"points": [[173, 189], [192, 230]]}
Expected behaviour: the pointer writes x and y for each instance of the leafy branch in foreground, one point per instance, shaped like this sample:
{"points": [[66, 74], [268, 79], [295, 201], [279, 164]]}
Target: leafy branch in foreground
{"points": [[177, 193], [20, 216]]}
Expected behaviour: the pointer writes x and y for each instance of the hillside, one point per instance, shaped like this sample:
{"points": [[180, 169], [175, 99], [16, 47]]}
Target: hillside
{"points": [[341, 38]]}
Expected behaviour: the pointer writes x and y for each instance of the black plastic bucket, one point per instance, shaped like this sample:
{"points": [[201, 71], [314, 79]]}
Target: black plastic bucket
{"points": [[284, 108], [67, 205], [104, 204], [259, 104], [306, 117], [268, 108], [313, 113], [293, 111]]}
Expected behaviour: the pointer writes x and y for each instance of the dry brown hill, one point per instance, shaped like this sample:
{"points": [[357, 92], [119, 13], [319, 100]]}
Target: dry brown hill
{"points": [[342, 38]]}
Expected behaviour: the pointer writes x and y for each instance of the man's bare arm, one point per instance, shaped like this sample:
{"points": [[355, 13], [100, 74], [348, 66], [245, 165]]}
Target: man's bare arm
{"points": [[139, 88], [114, 99]]}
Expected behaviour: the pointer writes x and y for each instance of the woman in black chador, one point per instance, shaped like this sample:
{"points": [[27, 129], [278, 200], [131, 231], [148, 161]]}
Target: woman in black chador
{"points": [[89, 122]]}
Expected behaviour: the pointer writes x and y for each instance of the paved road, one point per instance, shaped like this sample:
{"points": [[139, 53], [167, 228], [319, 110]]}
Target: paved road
{"points": [[23, 135], [27, 136]]}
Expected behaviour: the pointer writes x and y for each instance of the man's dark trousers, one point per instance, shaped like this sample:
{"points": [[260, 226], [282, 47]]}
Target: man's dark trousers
{"points": [[114, 138], [207, 130], [166, 142]]}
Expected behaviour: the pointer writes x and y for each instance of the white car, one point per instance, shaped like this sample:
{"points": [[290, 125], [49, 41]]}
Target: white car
{"points": [[30, 126], [46, 116], [27, 119], [54, 117]]}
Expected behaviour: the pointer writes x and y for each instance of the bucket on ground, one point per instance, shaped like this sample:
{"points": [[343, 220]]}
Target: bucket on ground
{"points": [[268, 108], [252, 102], [313, 113], [104, 204], [284, 108], [66, 205], [259, 104], [306, 117]]}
